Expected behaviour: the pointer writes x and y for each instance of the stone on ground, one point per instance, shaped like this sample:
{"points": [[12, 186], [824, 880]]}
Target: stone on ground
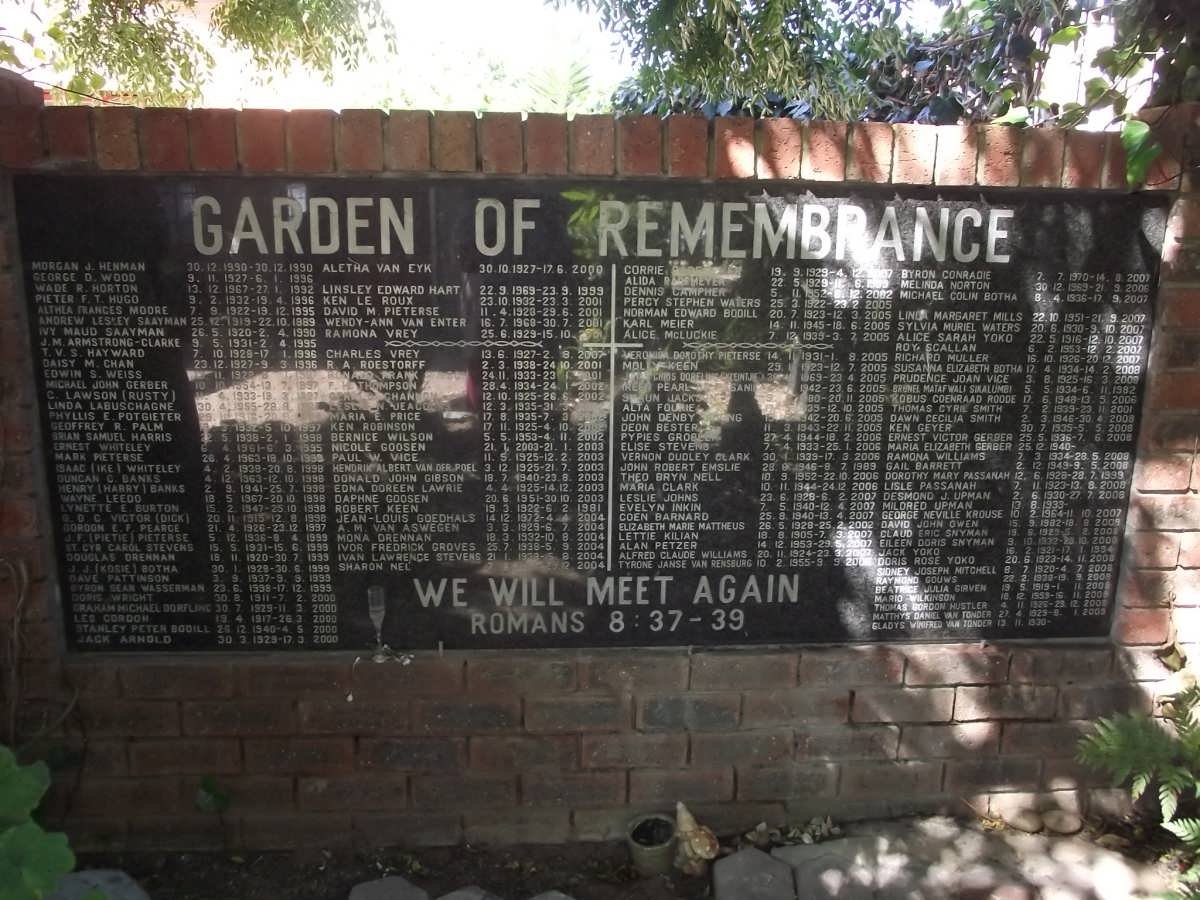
{"points": [[474, 892], [752, 875], [552, 895], [1062, 821], [1027, 820], [113, 884], [858, 867], [391, 888]]}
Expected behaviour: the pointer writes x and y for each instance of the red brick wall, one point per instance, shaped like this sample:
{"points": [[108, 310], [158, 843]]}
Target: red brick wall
{"points": [[552, 746]]}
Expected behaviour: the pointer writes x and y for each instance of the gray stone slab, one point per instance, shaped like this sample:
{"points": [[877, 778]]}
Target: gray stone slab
{"points": [[474, 892], [115, 885], [391, 888], [552, 895], [850, 868], [753, 875]]}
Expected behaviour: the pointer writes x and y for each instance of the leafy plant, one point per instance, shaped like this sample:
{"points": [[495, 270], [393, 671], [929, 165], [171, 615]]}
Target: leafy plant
{"points": [[561, 90], [32, 861], [864, 59], [154, 52], [1159, 757]]}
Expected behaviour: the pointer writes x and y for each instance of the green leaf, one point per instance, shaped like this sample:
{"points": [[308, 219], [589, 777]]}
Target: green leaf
{"points": [[12, 883], [1168, 799], [41, 857], [8, 56], [21, 787], [1068, 35], [1017, 115], [1140, 150], [211, 797], [1187, 830], [1094, 89]]}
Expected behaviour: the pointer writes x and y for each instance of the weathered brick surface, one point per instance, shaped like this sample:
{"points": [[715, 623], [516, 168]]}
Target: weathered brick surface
{"points": [[20, 137], [340, 716], [260, 137], [928, 741], [238, 716], [746, 748], [156, 681], [602, 751], [999, 163], [545, 144], [466, 716], [687, 146], [406, 139], [502, 140], [639, 139], [115, 131], [337, 793], [298, 756], [183, 756], [998, 774], [781, 148], [870, 152], [839, 742], [521, 674], [625, 672], [733, 148], [824, 152], [573, 789], [359, 140], [903, 705], [1043, 156], [690, 712], [412, 754], [693, 785], [68, 131], [914, 154], [593, 145], [731, 671], [773, 783], [531, 826], [956, 665], [211, 133], [578, 713], [851, 666], [442, 792], [801, 705], [1004, 702], [555, 752], [309, 135], [957, 149], [454, 141], [862, 780], [164, 140], [1083, 159]]}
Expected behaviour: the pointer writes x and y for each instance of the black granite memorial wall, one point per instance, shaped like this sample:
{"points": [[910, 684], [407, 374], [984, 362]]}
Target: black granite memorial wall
{"points": [[306, 413]]}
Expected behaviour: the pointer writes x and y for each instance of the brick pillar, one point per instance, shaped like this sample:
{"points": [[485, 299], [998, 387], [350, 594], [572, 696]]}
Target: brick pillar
{"points": [[23, 562], [1160, 601]]}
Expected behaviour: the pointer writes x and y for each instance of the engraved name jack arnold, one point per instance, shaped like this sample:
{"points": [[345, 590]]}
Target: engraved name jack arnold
{"points": [[341, 413]]}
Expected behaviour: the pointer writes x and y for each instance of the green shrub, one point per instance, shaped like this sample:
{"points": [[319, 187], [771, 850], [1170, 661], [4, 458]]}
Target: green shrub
{"points": [[32, 861], [1159, 756]]}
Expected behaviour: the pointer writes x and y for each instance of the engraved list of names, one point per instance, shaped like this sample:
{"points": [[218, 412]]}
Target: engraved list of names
{"points": [[337, 413]]}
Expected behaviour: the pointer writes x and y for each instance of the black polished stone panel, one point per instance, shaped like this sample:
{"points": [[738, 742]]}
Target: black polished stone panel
{"points": [[324, 413]]}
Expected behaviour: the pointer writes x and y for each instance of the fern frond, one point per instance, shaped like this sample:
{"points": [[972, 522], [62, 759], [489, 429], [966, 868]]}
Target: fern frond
{"points": [[1187, 830], [1168, 800]]}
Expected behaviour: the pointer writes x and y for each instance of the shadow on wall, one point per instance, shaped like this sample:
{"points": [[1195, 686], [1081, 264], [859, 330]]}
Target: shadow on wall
{"points": [[980, 729]]}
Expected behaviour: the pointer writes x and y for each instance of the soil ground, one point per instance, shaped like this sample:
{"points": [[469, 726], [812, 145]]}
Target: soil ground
{"points": [[583, 871]]}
